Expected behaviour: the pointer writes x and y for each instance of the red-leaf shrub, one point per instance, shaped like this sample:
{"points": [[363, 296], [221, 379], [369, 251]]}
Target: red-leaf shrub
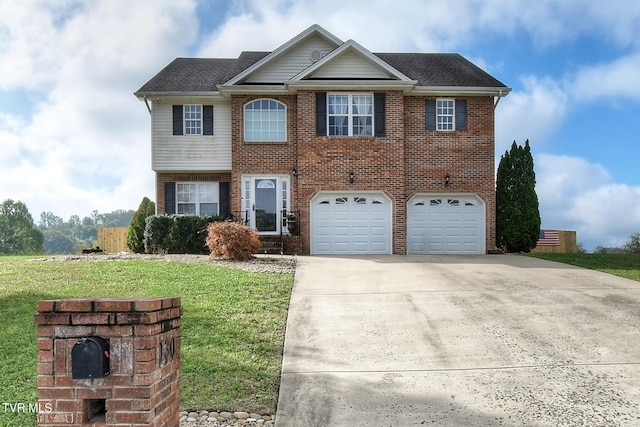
{"points": [[231, 240]]}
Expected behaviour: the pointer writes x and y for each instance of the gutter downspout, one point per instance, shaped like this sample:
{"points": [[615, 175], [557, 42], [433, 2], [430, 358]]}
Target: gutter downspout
{"points": [[144, 98], [500, 96]]}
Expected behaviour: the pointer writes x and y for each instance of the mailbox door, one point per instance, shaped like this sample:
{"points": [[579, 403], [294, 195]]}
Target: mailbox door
{"points": [[90, 358]]}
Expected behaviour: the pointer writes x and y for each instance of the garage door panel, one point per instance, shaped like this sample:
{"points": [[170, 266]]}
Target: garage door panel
{"points": [[445, 224], [350, 223]]}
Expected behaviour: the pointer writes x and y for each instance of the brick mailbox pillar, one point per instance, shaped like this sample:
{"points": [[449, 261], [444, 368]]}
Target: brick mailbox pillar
{"points": [[138, 386]]}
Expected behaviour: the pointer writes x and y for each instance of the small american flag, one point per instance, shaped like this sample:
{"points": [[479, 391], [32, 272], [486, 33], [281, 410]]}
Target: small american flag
{"points": [[549, 238]]}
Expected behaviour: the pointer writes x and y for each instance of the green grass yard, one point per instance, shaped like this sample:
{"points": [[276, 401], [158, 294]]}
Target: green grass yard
{"points": [[623, 265], [232, 327]]}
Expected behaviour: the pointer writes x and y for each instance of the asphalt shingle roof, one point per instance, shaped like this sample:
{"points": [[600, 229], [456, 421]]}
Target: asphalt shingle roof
{"points": [[429, 69], [440, 69]]}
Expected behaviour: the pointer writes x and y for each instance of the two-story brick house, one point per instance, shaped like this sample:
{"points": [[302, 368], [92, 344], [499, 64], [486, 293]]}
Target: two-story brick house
{"points": [[357, 152]]}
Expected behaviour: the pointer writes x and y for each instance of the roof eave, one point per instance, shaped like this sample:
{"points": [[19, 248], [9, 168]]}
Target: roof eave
{"points": [[151, 95], [403, 85], [461, 91]]}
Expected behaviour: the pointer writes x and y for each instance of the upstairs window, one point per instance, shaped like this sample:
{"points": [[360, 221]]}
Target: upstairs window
{"points": [[265, 121], [350, 114], [446, 114], [193, 119]]}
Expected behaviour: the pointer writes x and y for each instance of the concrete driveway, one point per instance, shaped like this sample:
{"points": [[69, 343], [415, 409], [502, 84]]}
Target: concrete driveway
{"points": [[496, 340]]}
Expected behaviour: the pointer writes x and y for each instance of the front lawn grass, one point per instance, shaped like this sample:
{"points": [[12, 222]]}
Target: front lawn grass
{"points": [[623, 265], [232, 327]]}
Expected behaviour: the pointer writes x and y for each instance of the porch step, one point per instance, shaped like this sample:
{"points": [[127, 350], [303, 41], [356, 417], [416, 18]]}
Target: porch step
{"points": [[271, 245]]}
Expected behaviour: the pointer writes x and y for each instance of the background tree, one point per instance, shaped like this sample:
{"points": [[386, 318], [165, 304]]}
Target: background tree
{"points": [[517, 210], [135, 238], [56, 242], [18, 234], [633, 245]]}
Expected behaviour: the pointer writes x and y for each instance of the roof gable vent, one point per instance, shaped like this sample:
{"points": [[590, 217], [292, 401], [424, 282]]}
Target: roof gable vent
{"points": [[315, 55]]}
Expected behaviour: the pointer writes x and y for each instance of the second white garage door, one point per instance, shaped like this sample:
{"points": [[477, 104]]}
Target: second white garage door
{"points": [[350, 223], [446, 224]]}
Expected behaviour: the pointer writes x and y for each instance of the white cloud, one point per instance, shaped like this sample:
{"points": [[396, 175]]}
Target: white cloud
{"points": [[533, 113], [86, 144], [613, 80], [577, 195]]}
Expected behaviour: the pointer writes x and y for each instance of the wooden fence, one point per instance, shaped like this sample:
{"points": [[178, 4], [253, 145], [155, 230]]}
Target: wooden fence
{"points": [[113, 239], [567, 244]]}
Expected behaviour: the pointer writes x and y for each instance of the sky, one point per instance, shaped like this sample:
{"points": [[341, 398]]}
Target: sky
{"points": [[74, 139]]}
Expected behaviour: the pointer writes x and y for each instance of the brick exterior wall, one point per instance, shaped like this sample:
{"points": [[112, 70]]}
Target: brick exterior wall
{"points": [[407, 161], [143, 387], [466, 156]]}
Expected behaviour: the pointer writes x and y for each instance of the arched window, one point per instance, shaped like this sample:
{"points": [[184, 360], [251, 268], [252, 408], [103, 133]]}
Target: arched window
{"points": [[265, 120]]}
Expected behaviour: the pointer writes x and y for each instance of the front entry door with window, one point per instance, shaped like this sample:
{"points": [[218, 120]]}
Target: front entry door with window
{"points": [[266, 205], [264, 198]]}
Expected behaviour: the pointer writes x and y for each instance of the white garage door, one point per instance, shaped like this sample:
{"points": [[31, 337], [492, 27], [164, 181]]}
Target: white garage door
{"points": [[446, 224], [350, 223]]}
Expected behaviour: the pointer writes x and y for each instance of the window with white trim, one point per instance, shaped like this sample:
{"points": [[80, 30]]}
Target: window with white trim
{"points": [[198, 198], [265, 120], [193, 119], [445, 116], [350, 114]]}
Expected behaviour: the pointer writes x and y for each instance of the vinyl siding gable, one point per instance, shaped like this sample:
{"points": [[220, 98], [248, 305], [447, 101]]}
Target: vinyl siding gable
{"points": [[350, 65], [292, 63]]}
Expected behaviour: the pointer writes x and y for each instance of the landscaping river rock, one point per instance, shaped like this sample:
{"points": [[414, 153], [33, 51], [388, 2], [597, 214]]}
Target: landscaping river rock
{"points": [[282, 264], [222, 419]]}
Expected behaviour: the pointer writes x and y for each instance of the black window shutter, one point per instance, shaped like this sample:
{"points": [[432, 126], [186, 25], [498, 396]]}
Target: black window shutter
{"points": [[224, 199], [170, 198], [430, 106], [461, 114], [177, 119], [379, 113], [321, 114], [207, 119]]}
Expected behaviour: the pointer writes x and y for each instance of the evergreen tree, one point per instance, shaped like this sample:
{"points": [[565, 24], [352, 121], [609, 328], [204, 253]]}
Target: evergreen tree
{"points": [[517, 211], [135, 238]]}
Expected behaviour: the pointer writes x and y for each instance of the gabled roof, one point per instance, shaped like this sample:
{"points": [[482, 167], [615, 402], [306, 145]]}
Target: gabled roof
{"points": [[422, 72], [313, 31], [351, 45]]}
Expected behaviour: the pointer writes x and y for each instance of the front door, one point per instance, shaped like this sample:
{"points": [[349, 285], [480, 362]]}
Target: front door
{"points": [[264, 199], [266, 205]]}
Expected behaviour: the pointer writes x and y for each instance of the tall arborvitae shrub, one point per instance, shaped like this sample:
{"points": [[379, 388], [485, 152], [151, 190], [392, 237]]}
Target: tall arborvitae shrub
{"points": [[135, 238], [517, 210]]}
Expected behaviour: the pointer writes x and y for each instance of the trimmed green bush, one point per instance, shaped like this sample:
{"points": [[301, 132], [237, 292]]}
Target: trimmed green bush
{"points": [[231, 240], [157, 234], [189, 233], [177, 234]]}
